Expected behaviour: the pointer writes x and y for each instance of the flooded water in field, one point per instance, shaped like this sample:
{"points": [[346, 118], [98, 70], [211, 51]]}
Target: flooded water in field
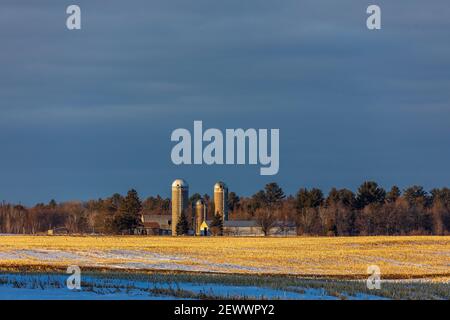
{"points": [[104, 286]]}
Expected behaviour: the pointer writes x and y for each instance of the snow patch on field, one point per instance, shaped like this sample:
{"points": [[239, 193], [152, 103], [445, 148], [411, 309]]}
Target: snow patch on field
{"points": [[123, 259]]}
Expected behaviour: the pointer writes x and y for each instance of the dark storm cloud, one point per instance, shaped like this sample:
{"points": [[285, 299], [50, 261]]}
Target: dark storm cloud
{"points": [[87, 113]]}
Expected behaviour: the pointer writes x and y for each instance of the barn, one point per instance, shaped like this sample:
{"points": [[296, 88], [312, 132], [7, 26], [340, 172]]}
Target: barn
{"points": [[235, 228], [249, 228]]}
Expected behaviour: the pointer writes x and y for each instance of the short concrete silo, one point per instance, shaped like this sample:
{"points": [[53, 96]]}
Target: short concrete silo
{"points": [[200, 215]]}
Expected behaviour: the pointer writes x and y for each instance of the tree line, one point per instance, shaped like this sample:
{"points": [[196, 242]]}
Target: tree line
{"points": [[371, 210]]}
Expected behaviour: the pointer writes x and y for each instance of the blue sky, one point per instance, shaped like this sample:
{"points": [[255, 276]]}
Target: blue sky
{"points": [[84, 114]]}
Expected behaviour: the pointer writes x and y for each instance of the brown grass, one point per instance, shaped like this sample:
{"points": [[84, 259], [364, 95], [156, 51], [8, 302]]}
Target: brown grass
{"points": [[342, 257]]}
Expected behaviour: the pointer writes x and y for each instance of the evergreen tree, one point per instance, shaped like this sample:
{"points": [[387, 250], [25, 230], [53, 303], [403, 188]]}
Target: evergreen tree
{"points": [[217, 225], [128, 213], [273, 194], [182, 225], [115, 201], [258, 200], [369, 192], [233, 201], [441, 195], [416, 196], [343, 197], [393, 195], [309, 199], [302, 199], [316, 198], [52, 204]]}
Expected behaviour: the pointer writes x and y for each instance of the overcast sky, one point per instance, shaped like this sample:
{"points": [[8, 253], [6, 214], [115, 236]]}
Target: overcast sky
{"points": [[84, 114]]}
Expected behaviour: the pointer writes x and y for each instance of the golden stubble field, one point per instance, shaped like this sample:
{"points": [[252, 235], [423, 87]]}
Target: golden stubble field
{"points": [[344, 257]]}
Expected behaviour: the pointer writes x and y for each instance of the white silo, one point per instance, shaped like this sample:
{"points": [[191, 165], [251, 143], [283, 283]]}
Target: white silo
{"points": [[221, 200], [180, 201]]}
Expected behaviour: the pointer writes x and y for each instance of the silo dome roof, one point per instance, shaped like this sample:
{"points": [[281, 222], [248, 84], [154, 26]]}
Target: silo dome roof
{"points": [[200, 202], [180, 183], [220, 185]]}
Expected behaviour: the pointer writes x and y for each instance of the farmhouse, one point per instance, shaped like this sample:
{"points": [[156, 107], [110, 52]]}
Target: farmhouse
{"points": [[155, 225]]}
